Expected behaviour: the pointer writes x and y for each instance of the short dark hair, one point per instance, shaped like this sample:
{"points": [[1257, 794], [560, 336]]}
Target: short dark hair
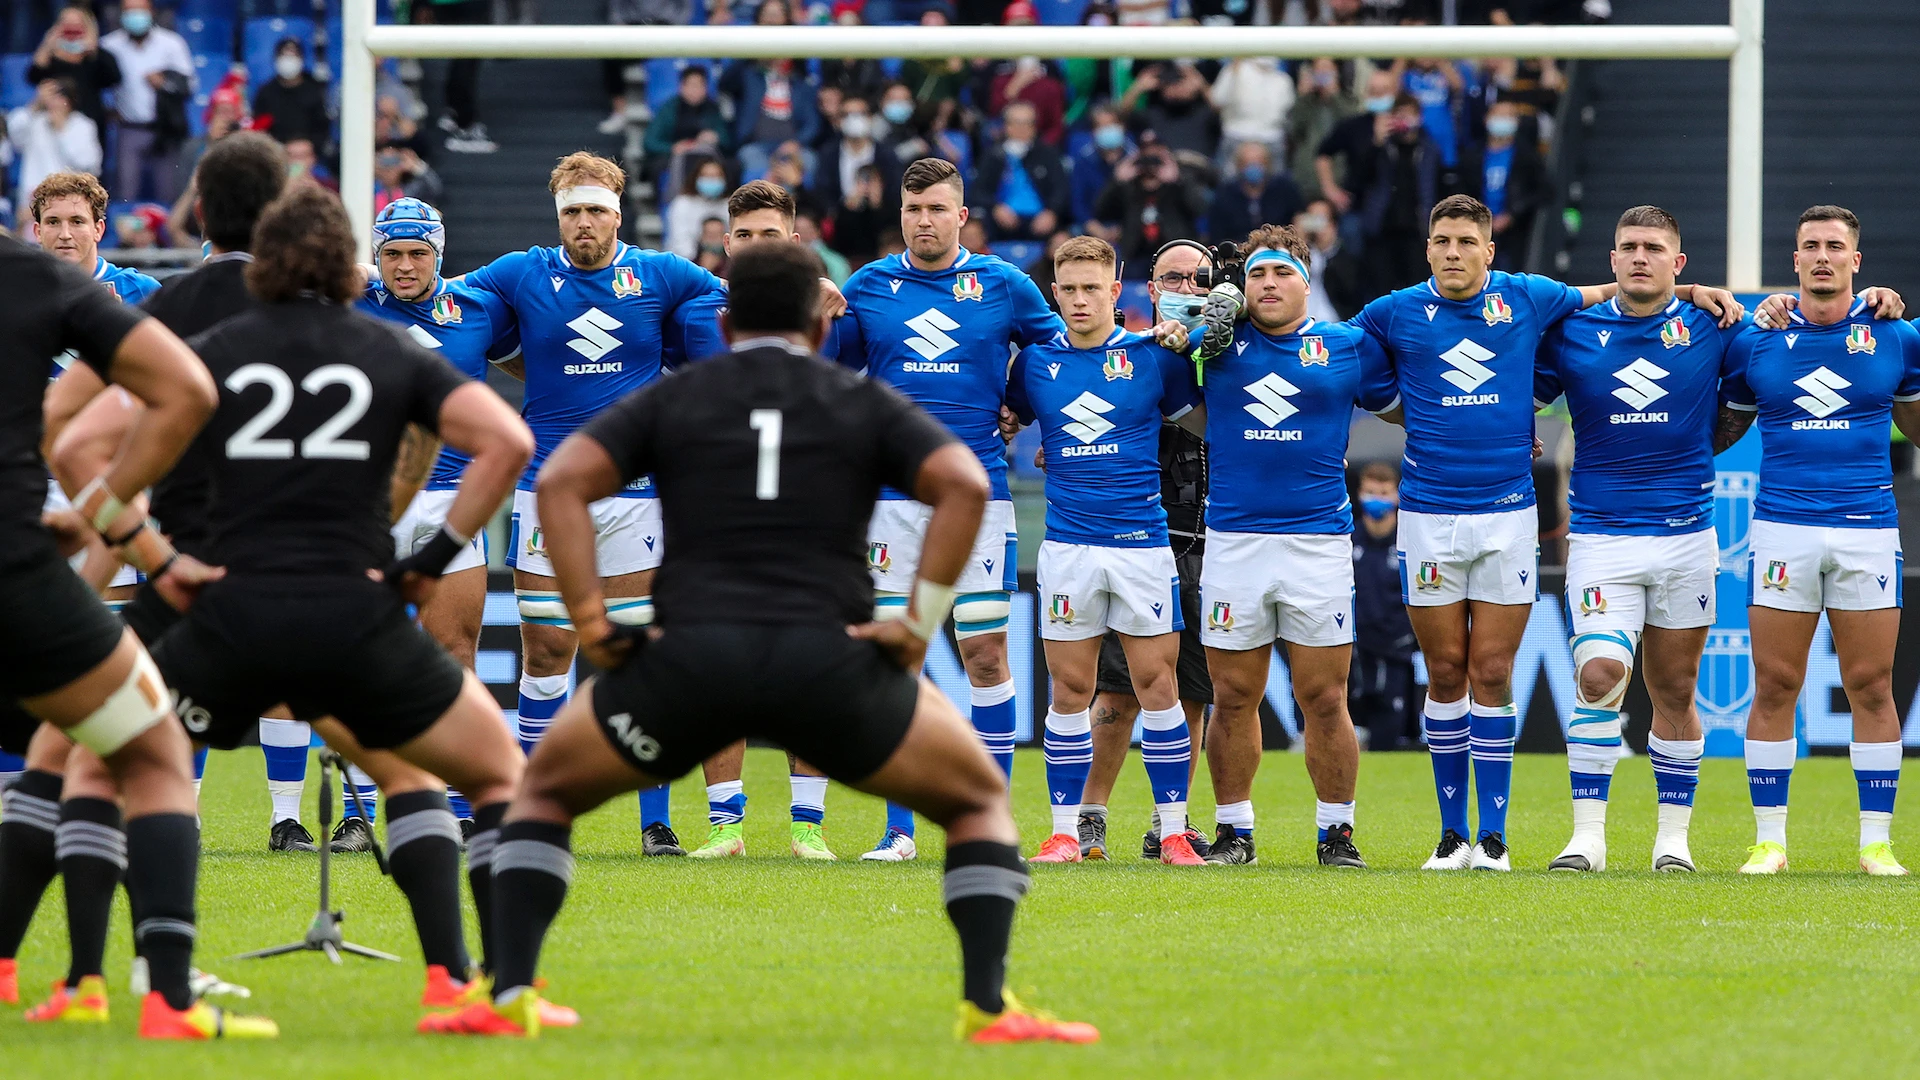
{"points": [[773, 286], [1461, 206], [236, 180], [1648, 217], [929, 171], [691, 70], [760, 195], [303, 244], [1829, 212], [1379, 470]]}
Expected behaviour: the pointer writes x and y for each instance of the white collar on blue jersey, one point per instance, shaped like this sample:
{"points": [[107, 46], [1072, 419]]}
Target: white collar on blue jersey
{"points": [[1859, 305], [906, 263], [1613, 305], [99, 267]]}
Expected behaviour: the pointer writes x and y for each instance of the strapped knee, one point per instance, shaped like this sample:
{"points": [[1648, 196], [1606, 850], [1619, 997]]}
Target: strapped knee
{"points": [[542, 608], [1615, 645], [140, 703], [980, 613], [631, 611], [889, 605]]}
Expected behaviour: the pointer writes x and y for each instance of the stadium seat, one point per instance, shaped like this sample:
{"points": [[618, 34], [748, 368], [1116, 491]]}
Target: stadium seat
{"points": [[259, 38], [222, 10], [15, 91], [663, 79], [1021, 253], [1061, 12], [208, 34]]}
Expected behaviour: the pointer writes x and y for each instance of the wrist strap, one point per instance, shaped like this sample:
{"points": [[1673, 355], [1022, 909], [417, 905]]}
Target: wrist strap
{"points": [[929, 608], [99, 505], [149, 552]]}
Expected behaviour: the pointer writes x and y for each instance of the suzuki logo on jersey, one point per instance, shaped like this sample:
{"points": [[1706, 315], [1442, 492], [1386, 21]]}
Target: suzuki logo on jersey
{"points": [[1270, 406], [1674, 333], [933, 342], [1495, 310], [1860, 339], [1118, 366], [624, 283], [420, 335], [1640, 391], [1088, 425], [1470, 371], [594, 342], [1821, 400], [967, 287]]}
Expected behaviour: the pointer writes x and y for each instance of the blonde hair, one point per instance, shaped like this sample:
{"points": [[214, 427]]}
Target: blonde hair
{"points": [[1090, 249], [582, 165]]}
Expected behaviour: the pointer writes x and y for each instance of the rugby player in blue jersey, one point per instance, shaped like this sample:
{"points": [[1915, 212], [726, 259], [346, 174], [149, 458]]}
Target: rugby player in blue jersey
{"points": [[1099, 396], [938, 322], [1280, 397], [1825, 534]]}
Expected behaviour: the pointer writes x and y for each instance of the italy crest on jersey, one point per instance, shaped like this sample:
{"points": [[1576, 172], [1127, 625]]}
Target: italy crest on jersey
{"points": [[445, 310], [1428, 577], [1495, 310], [1118, 366], [1592, 602], [116, 296], [536, 542], [1674, 333], [967, 287], [624, 283], [1313, 352], [1221, 617], [1860, 339], [1776, 576], [1061, 610], [877, 557]]}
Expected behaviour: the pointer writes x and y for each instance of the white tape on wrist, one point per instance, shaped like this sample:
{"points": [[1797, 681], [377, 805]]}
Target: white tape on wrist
{"points": [[931, 605], [100, 514], [586, 194]]}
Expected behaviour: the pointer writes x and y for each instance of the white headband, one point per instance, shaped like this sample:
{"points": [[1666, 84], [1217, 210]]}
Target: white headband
{"points": [[590, 194]]}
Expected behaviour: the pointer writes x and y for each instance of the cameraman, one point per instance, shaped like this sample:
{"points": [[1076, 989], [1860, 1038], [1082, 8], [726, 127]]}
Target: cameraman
{"points": [[1153, 200]]}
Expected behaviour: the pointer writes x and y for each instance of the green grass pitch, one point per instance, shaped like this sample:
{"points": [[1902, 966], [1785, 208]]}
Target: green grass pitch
{"points": [[765, 967]]}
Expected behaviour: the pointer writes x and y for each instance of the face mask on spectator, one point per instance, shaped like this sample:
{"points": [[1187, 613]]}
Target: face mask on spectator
{"points": [[71, 46], [1377, 508], [1184, 309], [1253, 175], [856, 125], [1016, 148], [897, 112], [1109, 136], [136, 22], [1503, 127], [287, 66], [1383, 103], [710, 187], [1313, 223]]}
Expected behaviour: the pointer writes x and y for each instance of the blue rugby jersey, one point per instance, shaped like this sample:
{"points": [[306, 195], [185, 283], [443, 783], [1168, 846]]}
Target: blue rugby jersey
{"points": [[1279, 410], [130, 285], [1824, 397], [465, 325], [1644, 392], [694, 333], [1099, 412], [1465, 371], [588, 337], [943, 338]]}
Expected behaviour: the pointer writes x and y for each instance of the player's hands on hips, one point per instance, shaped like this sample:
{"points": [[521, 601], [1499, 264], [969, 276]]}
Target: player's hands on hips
{"points": [[833, 302], [180, 585], [1719, 303], [901, 645], [1538, 448], [1171, 334], [70, 531]]}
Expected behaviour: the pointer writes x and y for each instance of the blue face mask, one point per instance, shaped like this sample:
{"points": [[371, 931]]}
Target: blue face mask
{"points": [[897, 112], [1253, 175], [1381, 104], [1181, 308], [1109, 136], [1503, 127], [710, 187], [136, 22], [1378, 508]]}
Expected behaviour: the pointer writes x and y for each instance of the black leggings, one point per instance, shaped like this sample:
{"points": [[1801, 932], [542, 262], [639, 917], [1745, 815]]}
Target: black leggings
{"points": [[463, 76]]}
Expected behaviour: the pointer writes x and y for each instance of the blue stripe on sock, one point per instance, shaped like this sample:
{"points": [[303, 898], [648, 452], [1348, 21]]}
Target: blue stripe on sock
{"points": [[458, 804], [728, 812], [1491, 739], [286, 763], [899, 819], [1447, 749], [656, 806], [1591, 786], [1877, 789], [1069, 759], [200, 764], [1768, 787], [1674, 779], [995, 724], [1167, 755]]}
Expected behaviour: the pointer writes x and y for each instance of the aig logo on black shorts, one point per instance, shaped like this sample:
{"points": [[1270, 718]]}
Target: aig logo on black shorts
{"points": [[644, 746], [196, 719]]}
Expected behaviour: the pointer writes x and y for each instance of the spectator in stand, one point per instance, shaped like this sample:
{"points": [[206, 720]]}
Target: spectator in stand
{"points": [[1320, 105], [1253, 94], [1022, 185], [828, 101], [71, 51], [398, 173], [720, 13], [141, 226], [788, 167], [1090, 82], [304, 166], [1093, 165], [292, 105], [50, 135], [933, 82], [853, 78], [465, 133], [703, 194], [863, 215], [226, 114], [152, 60], [1152, 200], [852, 149], [690, 122], [393, 127], [772, 102], [1344, 161], [711, 253], [973, 235], [1394, 208], [1143, 12], [1029, 79], [613, 73], [807, 228], [1339, 278], [1442, 87], [1253, 194], [1170, 99], [1380, 691], [1514, 188], [897, 109]]}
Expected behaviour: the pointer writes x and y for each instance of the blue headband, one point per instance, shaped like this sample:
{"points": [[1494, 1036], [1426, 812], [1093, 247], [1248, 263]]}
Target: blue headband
{"points": [[1267, 255]]}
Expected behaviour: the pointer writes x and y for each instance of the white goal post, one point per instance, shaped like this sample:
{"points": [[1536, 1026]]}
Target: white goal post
{"points": [[1740, 42]]}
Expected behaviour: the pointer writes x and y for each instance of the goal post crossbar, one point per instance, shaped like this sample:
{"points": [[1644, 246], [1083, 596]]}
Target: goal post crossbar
{"points": [[1738, 42]]}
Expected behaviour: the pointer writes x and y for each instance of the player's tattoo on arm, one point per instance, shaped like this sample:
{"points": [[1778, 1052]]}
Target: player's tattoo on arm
{"points": [[1733, 423], [418, 451]]}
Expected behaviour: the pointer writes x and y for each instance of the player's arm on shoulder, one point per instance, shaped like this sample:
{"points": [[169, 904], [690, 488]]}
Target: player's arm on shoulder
{"points": [[1714, 301], [1906, 396], [1034, 319], [1885, 302]]}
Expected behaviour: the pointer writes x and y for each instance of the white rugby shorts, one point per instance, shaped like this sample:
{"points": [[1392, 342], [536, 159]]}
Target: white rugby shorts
{"points": [[1255, 587], [1633, 582], [424, 516], [629, 535], [1089, 590], [1447, 558], [1811, 567], [893, 548]]}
